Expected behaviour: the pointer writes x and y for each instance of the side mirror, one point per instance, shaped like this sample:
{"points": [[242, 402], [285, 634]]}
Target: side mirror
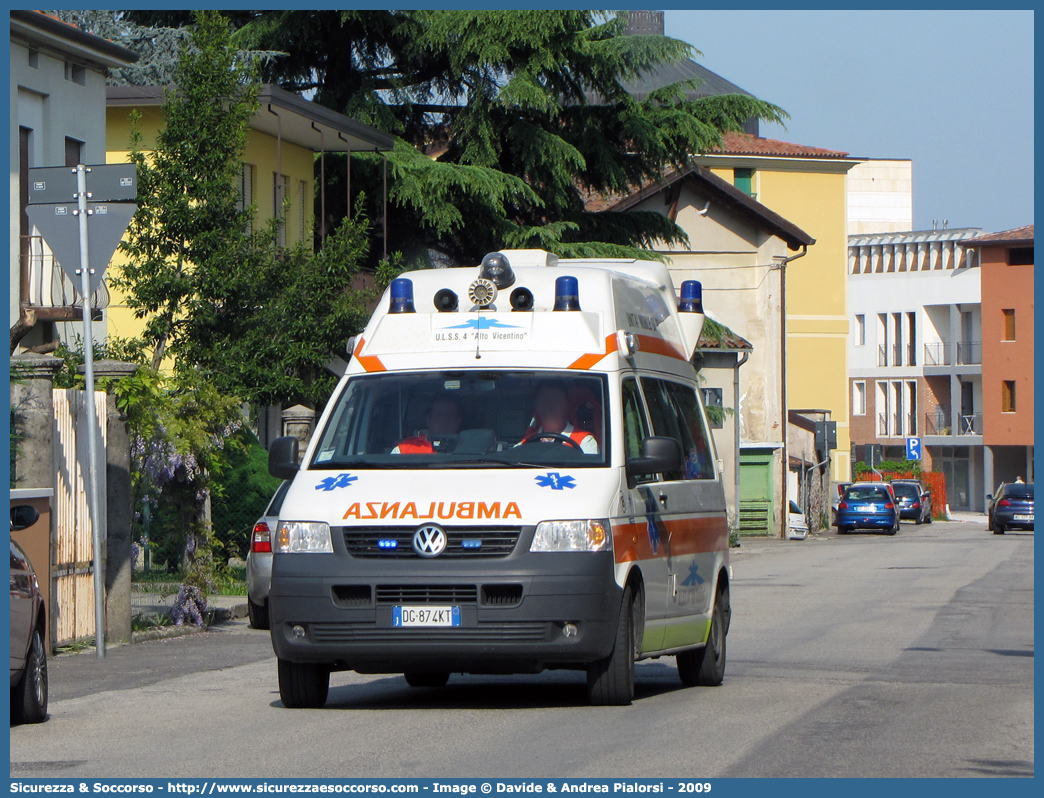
{"points": [[23, 516], [656, 456], [282, 457], [989, 497]]}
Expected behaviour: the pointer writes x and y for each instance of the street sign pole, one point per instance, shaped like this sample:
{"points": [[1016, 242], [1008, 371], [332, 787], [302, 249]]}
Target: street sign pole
{"points": [[92, 416]]}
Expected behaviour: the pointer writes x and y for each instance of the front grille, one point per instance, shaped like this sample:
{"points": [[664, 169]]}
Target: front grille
{"points": [[484, 634], [427, 594], [463, 542]]}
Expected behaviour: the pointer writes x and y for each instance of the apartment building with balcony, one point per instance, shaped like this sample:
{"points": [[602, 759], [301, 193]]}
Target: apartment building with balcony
{"points": [[57, 118], [1007, 348], [915, 354]]}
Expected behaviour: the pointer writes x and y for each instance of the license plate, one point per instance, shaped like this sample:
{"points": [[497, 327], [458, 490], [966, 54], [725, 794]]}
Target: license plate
{"points": [[867, 508], [1022, 517], [425, 616]]}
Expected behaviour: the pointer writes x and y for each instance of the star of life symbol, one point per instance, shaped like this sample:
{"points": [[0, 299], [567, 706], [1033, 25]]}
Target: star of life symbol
{"points": [[556, 481], [339, 481], [693, 578]]}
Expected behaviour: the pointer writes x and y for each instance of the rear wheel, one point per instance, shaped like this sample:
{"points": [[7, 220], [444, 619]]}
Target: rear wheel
{"points": [[610, 681], [303, 685], [844, 530], [258, 614], [998, 529], [895, 529], [706, 666], [29, 700], [436, 679]]}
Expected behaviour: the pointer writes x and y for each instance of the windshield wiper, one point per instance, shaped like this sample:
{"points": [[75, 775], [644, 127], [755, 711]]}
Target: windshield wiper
{"points": [[491, 461]]}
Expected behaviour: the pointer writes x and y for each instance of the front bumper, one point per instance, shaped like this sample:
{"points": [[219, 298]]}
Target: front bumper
{"points": [[513, 610]]}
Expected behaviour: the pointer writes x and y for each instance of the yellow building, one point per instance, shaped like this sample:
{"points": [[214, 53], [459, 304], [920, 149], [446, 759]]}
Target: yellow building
{"points": [[285, 136], [806, 186]]}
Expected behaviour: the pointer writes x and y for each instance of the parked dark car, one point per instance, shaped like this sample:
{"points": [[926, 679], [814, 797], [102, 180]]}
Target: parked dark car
{"points": [[1011, 508], [28, 630], [868, 505], [915, 500]]}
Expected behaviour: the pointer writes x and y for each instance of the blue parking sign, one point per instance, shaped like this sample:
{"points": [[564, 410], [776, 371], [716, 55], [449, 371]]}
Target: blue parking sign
{"points": [[913, 448]]}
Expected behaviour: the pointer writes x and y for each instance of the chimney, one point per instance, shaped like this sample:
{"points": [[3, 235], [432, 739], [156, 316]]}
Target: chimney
{"points": [[644, 23]]}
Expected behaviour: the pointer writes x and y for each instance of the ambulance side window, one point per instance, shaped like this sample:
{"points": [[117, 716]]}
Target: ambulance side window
{"points": [[635, 427], [665, 417], [699, 460]]}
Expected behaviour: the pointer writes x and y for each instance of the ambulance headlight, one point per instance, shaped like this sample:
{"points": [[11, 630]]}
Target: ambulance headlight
{"points": [[572, 536], [304, 537]]}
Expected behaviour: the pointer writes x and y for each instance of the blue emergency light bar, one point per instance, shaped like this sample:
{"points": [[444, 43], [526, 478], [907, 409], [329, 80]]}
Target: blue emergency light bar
{"points": [[691, 297], [401, 296], [567, 294], [387, 544], [471, 543]]}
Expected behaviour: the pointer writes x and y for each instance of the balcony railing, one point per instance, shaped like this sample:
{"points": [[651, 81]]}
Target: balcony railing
{"points": [[938, 423], [882, 425], [897, 354], [882, 355], [970, 424], [937, 354], [45, 285], [969, 353], [911, 354]]}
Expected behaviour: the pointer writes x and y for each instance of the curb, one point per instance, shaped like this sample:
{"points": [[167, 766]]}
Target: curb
{"points": [[213, 617]]}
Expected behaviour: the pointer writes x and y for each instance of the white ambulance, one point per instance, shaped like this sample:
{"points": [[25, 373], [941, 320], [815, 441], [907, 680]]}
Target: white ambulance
{"points": [[514, 474]]}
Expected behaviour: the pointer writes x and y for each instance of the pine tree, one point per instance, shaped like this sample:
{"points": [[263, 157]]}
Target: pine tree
{"points": [[507, 121]]}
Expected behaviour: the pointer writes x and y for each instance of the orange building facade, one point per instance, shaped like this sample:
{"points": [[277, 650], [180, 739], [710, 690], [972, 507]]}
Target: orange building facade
{"points": [[1007, 355]]}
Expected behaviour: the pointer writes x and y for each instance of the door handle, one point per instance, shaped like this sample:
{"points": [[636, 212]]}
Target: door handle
{"points": [[663, 500]]}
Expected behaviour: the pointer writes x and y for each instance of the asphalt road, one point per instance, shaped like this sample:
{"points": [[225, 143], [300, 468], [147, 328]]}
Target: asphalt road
{"points": [[860, 655]]}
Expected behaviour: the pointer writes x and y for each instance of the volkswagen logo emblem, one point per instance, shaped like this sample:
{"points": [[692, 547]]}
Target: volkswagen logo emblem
{"points": [[429, 541]]}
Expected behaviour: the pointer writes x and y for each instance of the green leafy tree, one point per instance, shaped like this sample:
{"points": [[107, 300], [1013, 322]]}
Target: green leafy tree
{"points": [[507, 121]]}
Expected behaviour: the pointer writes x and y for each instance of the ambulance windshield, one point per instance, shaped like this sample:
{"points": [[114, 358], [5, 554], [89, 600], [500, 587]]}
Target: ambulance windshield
{"points": [[462, 419]]}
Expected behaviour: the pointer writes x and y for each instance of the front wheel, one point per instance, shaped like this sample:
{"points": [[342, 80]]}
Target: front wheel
{"points": [[30, 696], [706, 666], [303, 685], [610, 681]]}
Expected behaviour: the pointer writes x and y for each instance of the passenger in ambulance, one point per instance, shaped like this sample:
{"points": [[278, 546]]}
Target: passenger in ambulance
{"points": [[551, 419], [442, 420]]}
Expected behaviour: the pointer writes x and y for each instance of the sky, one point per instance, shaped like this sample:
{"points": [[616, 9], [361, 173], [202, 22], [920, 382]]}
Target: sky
{"points": [[950, 90]]}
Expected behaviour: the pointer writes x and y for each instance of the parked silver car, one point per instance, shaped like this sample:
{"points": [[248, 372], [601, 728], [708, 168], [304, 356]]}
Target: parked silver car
{"points": [[28, 630], [259, 560]]}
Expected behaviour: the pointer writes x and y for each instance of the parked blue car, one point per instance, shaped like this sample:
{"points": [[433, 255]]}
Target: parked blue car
{"points": [[868, 505], [1011, 508]]}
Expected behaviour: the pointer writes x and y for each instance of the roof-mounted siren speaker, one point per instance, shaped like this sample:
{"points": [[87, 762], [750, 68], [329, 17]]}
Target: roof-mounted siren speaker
{"points": [[567, 293], [446, 301], [521, 299], [496, 268], [401, 296], [690, 314]]}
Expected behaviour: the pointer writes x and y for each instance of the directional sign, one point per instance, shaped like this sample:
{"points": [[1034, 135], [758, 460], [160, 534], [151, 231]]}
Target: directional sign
{"points": [[56, 185], [60, 228], [913, 448]]}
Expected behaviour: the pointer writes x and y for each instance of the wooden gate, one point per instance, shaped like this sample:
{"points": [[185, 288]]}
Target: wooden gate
{"points": [[72, 555]]}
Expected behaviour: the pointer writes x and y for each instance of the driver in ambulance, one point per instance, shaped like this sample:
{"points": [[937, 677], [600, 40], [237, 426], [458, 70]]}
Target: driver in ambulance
{"points": [[550, 415]]}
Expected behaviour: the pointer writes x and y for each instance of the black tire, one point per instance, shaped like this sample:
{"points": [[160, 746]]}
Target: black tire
{"points": [[998, 529], [895, 529], [929, 519], [919, 520], [610, 681], [706, 666], [257, 614], [844, 530], [303, 685], [29, 699], [415, 679]]}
